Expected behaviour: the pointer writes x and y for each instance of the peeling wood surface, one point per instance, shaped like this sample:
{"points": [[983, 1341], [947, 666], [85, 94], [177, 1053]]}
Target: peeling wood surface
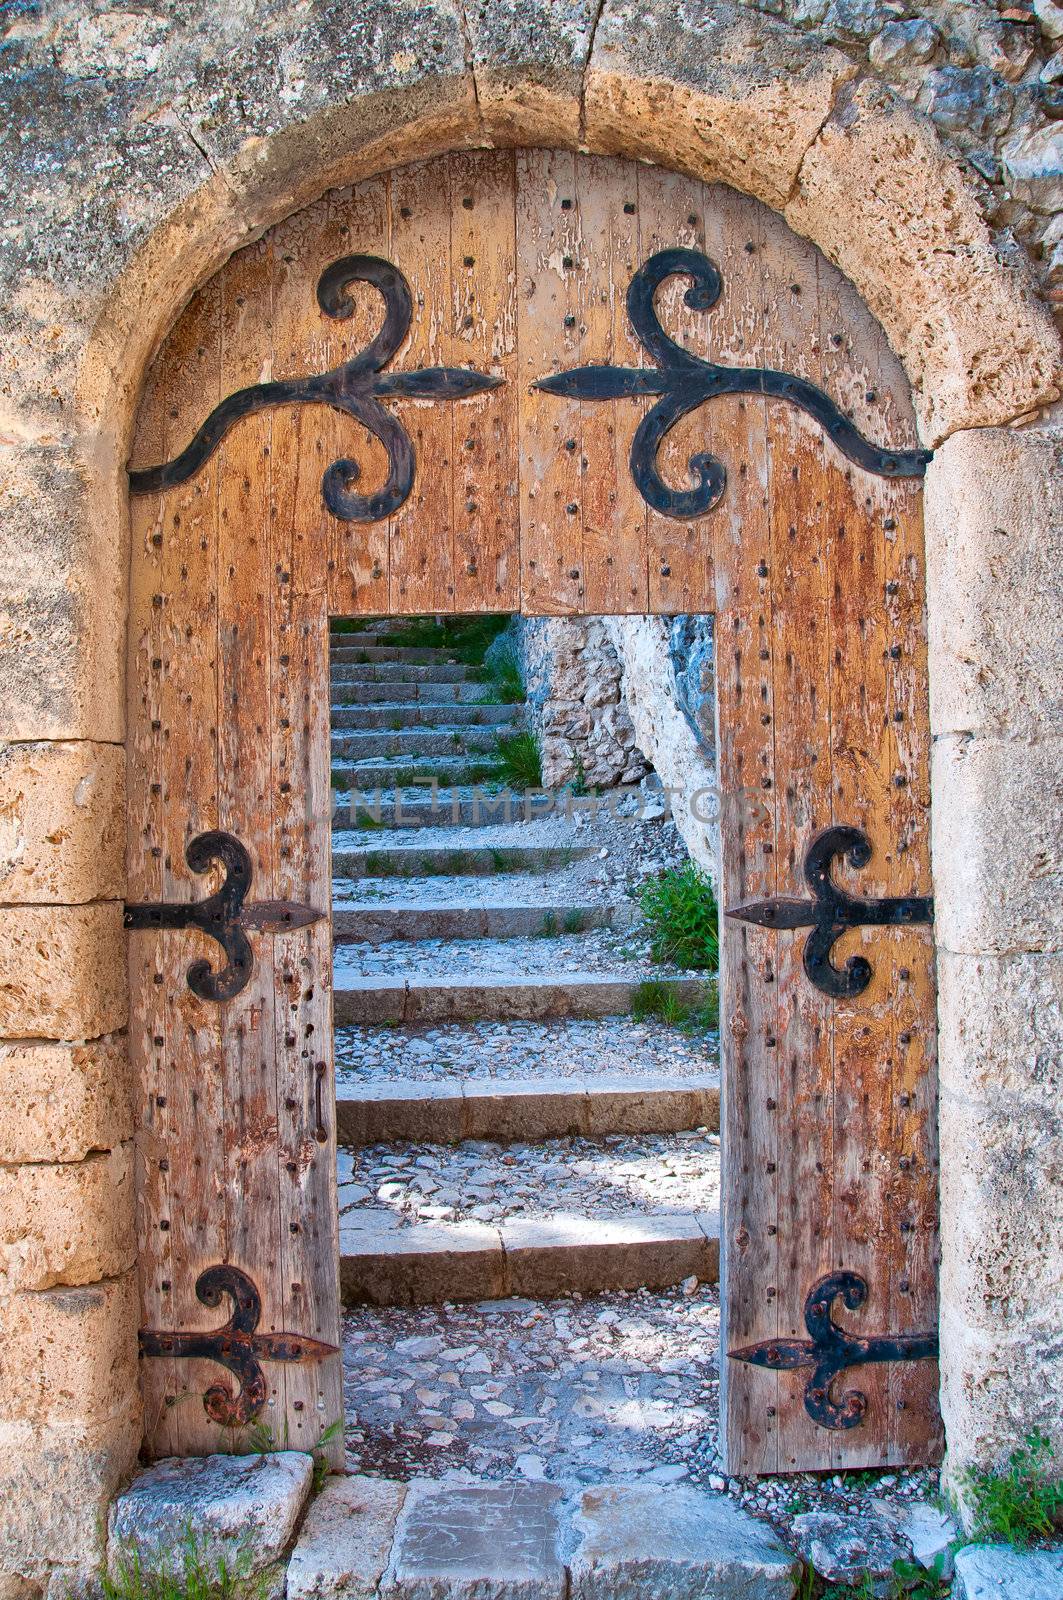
{"points": [[518, 264]]}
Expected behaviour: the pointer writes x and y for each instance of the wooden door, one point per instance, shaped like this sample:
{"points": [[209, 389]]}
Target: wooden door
{"points": [[564, 384]]}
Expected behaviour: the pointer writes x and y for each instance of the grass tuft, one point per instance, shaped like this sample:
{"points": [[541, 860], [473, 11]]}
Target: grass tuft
{"points": [[198, 1579], [682, 917], [1021, 1504], [655, 1000], [520, 762]]}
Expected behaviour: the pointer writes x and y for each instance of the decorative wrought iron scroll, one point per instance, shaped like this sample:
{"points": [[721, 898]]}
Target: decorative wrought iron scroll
{"points": [[222, 916], [832, 912], [356, 388], [684, 381], [829, 1350], [236, 1346]]}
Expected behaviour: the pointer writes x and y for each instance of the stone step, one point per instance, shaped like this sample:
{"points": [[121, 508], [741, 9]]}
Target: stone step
{"points": [[464, 806], [563, 1253], [415, 861], [364, 653], [515, 1540], [506, 1110], [407, 691], [348, 672], [446, 772], [415, 742], [422, 714], [369, 922], [374, 999]]}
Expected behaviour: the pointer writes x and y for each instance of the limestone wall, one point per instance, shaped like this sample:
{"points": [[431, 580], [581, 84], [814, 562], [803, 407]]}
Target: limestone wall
{"points": [[139, 148]]}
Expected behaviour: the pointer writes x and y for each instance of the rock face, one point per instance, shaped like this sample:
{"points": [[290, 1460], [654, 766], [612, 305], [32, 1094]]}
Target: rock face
{"points": [[573, 676], [241, 1509], [844, 1548]]}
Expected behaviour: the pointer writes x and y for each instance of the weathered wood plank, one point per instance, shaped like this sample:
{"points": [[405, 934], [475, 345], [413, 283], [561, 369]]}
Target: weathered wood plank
{"points": [[551, 274], [422, 530], [483, 336]]}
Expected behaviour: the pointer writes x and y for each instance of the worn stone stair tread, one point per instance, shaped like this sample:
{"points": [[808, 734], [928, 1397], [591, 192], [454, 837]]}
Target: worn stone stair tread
{"points": [[551, 831], [401, 691], [431, 1539], [378, 924], [576, 994], [562, 1253], [425, 714], [412, 1109], [402, 672], [413, 859], [418, 654], [408, 742], [381, 772]]}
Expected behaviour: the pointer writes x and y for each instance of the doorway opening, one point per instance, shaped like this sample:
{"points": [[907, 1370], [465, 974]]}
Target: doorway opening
{"points": [[526, 1043]]}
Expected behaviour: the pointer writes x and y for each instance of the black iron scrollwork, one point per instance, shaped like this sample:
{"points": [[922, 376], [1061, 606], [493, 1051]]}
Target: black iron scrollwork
{"points": [[829, 1350], [684, 381], [236, 1346], [832, 912], [357, 388], [222, 916]]}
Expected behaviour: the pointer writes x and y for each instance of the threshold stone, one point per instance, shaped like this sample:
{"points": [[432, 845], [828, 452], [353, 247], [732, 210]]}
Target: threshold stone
{"points": [[240, 1509], [345, 1540], [997, 1572], [845, 1548]]}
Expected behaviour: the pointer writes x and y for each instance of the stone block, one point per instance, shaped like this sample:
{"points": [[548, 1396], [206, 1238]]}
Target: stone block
{"points": [[624, 1105], [990, 1571], [62, 607], [714, 91], [345, 1540], [66, 1224], [381, 1112], [668, 1539], [523, 1110], [242, 1510], [565, 1253], [55, 1486], [69, 1356], [59, 1101], [930, 1531], [994, 499], [843, 1548], [62, 822], [528, 61], [426, 1263], [997, 844], [497, 1541], [996, 1386], [882, 197], [62, 971], [1000, 1028]]}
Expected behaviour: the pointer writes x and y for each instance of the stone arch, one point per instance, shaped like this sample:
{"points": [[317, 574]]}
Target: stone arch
{"points": [[730, 96]]}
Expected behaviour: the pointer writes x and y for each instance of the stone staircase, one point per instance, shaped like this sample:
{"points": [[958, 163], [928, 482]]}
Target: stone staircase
{"points": [[453, 908]]}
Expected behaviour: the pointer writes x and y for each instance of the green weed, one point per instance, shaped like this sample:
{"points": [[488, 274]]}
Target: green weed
{"points": [[548, 928], [1022, 1503], [198, 1579], [573, 922], [683, 919], [322, 1466], [520, 762], [655, 1000], [914, 1582], [503, 673]]}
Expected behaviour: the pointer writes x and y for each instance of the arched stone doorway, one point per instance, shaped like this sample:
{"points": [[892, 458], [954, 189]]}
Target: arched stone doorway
{"points": [[562, 336]]}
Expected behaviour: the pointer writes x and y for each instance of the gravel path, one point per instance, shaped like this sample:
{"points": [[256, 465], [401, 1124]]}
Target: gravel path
{"points": [[479, 1052], [654, 1174], [622, 952]]}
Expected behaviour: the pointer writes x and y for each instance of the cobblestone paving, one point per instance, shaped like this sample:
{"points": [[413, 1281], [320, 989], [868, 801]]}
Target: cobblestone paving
{"points": [[605, 1048], [654, 1174], [612, 1388]]}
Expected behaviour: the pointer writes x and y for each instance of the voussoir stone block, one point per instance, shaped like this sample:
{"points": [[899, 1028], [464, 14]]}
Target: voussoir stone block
{"points": [[992, 1571], [68, 1223], [528, 60], [997, 843], [718, 92], [880, 195], [995, 581], [59, 1101], [62, 822], [632, 1540], [242, 1510], [345, 1540], [62, 971], [69, 1356], [490, 1541]]}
